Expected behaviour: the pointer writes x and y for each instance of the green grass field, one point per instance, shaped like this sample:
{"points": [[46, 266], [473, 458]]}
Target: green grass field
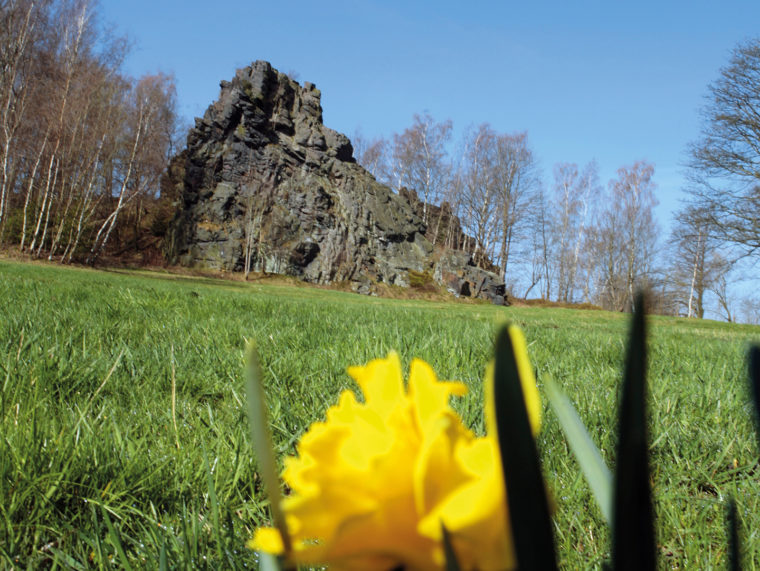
{"points": [[95, 472]]}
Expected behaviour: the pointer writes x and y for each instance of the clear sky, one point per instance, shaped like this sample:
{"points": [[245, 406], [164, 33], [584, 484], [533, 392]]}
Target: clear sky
{"points": [[608, 80]]}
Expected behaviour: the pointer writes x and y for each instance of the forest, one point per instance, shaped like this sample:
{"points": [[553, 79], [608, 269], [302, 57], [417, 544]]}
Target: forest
{"points": [[84, 149], [82, 146]]}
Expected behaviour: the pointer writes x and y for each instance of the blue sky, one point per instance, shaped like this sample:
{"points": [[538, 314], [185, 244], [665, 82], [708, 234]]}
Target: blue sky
{"points": [[610, 81]]}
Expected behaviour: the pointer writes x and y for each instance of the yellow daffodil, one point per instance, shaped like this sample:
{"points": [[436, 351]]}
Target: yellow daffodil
{"points": [[373, 484]]}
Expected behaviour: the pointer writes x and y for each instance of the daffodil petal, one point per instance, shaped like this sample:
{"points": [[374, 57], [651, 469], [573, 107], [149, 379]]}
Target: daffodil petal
{"points": [[267, 539], [381, 382], [429, 395], [437, 456]]}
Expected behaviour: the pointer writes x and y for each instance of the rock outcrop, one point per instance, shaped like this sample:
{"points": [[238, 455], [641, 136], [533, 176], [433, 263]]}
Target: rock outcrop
{"points": [[263, 179], [457, 271]]}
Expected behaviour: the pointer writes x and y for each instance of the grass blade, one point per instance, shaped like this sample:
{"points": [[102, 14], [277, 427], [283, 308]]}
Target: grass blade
{"points": [[262, 443], [594, 469], [113, 535], [174, 400], [66, 560], [528, 506], [633, 541], [162, 563], [189, 539], [94, 395], [214, 506]]}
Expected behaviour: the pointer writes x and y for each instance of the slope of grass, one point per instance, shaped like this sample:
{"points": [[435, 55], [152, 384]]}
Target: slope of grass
{"points": [[95, 467]]}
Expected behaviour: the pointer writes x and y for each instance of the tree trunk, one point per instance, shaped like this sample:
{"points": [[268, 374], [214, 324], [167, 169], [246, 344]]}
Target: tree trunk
{"points": [[44, 204], [49, 209]]}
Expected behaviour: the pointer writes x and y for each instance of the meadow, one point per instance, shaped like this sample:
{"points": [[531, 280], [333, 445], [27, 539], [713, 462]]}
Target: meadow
{"points": [[124, 440]]}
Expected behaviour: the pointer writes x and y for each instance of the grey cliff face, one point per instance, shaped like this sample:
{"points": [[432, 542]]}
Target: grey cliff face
{"points": [[260, 169]]}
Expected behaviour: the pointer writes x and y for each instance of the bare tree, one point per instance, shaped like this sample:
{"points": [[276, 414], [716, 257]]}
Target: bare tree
{"points": [[574, 193], [750, 309], [480, 207], [74, 35], [626, 236], [89, 125], [419, 159], [20, 22], [106, 104], [372, 155], [252, 230], [452, 209], [720, 287], [497, 178], [515, 179], [696, 263], [144, 150], [252, 222], [80, 155], [542, 245], [725, 161]]}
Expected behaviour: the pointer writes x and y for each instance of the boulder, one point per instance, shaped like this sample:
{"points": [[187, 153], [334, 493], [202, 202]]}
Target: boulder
{"points": [[457, 270]]}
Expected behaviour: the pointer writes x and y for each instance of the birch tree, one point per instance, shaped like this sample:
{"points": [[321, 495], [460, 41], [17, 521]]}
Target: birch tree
{"points": [[20, 23], [73, 23], [699, 267], [516, 180], [480, 207], [372, 155], [81, 145], [574, 192], [419, 159], [626, 238]]}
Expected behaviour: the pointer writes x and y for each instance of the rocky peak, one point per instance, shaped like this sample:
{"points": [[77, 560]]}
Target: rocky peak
{"points": [[262, 175]]}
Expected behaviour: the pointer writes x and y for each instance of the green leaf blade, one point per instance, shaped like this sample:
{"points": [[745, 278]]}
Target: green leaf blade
{"points": [[633, 543], [590, 460], [269, 562], [754, 382], [734, 551], [262, 443], [528, 506], [452, 563]]}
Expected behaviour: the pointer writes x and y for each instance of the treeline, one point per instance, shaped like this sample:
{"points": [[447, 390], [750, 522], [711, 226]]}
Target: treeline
{"points": [[573, 239], [573, 242], [83, 147], [570, 239]]}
